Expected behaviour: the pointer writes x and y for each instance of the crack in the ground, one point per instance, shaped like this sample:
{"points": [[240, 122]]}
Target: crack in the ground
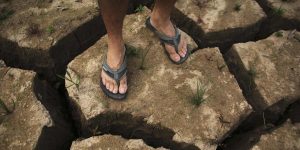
{"points": [[125, 124], [130, 127], [62, 133], [259, 123], [274, 22], [245, 81]]}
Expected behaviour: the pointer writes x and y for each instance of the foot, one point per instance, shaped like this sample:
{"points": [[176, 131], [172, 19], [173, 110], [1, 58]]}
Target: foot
{"points": [[167, 28], [115, 60]]}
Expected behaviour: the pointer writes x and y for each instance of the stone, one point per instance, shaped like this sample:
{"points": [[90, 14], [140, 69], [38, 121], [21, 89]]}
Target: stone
{"points": [[286, 136], [219, 22], [269, 69], [159, 93], [38, 35], [111, 142], [283, 15], [25, 122]]}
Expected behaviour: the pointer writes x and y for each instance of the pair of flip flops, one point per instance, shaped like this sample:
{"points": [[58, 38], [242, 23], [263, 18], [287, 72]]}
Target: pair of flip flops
{"points": [[118, 74]]}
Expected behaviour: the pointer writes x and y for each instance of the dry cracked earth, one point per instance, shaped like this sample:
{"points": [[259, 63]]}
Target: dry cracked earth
{"points": [[239, 90]]}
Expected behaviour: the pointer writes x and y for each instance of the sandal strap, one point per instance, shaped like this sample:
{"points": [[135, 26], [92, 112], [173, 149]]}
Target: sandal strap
{"points": [[173, 41], [118, 74]]}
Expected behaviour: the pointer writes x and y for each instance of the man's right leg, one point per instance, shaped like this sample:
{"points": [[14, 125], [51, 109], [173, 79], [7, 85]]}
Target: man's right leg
{"points": [[113, 13]]}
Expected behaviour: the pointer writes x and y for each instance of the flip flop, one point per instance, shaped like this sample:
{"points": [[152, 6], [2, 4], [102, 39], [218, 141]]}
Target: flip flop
{"points": [[116, 75], [173, 41]]}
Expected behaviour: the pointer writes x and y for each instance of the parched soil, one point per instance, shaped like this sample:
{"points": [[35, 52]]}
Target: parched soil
{"points": [[239, 89]]}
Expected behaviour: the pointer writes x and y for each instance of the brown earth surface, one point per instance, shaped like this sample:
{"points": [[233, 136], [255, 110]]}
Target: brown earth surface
{"points": [[25, 123], [46, 37], [161, 91], [286, 137], [112, 143], [219, 22], [269, 69]]}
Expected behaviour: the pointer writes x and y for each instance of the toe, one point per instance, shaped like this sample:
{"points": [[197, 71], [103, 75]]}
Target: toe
{"points": [[107, 85], [182, 53], [111, 87], [171, 50], [115, 88], [103, 81], [175, 57], [123, 86]]}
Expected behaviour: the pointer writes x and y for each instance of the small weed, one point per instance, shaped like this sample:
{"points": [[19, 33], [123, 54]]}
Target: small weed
{"points": [[140, 8], [3, 106], [278, 34], [5, 13], [278, 11], [252, 72], [237, 7], [221, 67], [142, 67], [198, 97], [50, 29], [132, 51], [69, 78], [33, 29]]}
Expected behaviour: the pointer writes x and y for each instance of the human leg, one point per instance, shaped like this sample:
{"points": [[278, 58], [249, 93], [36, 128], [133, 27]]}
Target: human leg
{"points": [[160, 19], [113, 13]]}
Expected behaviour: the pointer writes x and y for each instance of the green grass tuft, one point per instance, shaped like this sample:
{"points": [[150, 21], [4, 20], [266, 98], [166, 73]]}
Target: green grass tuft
{"points": [[198, 97], [50, 30], [75, 82], [278, 34], [140, 8], [278, 11]]}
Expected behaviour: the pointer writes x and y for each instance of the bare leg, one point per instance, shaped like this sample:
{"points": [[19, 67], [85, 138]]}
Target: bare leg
{"points": [[113, 13], [160, 19]]}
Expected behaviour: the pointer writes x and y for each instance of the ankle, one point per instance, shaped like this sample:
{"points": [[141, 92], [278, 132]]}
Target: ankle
{"points": [[159, 22], [115, 57]]}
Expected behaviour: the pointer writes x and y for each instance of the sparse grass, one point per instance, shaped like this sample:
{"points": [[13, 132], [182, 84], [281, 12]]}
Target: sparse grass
{"points": [[221, 66], [75, 82], [5, 13], [278, 34], [278, 11], [50, 29], [198, 97], [140, 8], [252, 72], [237, 7], [5, 108], [142, 67]]}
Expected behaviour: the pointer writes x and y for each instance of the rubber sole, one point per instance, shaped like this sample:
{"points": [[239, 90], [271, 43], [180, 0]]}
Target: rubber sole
{"points": [[111, 95]]}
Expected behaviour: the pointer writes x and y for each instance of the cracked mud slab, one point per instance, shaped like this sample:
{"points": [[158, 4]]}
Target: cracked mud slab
{"points": [[41, 34], [269, 69], [220, 22], [25, 123], [286, 137], [161, 92], [283, 14], [111, 142]]}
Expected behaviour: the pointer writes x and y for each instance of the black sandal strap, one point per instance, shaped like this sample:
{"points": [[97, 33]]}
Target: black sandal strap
{"points": [[173, 41], [118, 74]]}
